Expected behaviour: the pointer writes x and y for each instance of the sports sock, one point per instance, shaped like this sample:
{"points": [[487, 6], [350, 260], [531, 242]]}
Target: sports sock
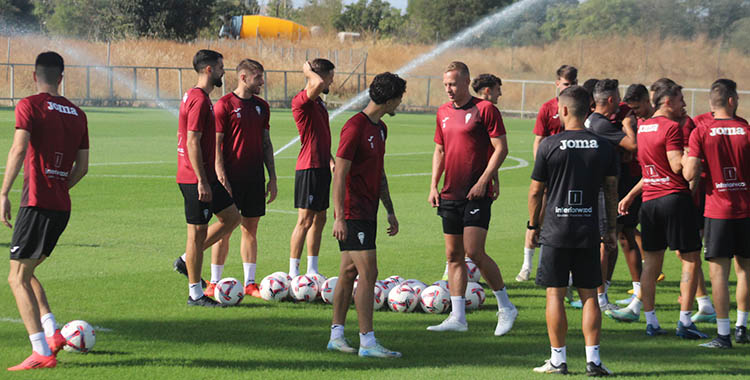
{"points": [[445, 273], [216, 272], [293, 267], [570, 279], [49, 324], [651, 319], [184, 257], [196, 291], [249, 269], [635, 306], [558, 356], [704, 305], [39, 344], [502, 298], [722, 326], [606, 286], [367, 339], [528, 257], [636, 289], [337, 331], [602, 299], [685, 317], [312, 264], [741, 318], [458, 305], [592, 355]]}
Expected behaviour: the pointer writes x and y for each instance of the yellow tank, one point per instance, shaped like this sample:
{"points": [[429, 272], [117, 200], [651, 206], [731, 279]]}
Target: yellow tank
{"points": [[270, 27]]}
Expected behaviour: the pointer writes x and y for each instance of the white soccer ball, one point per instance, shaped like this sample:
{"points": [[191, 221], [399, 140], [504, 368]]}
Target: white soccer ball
{"points": [[443, 284], [474, 296], [304, 288], [327, 290], [79, 336], [472, 272], [403, 299], [417, 285], [379, 297], [397, 279], [319, 278], [389, 284], [435, 300], [283, 275], [229, 291], [274, 288]]}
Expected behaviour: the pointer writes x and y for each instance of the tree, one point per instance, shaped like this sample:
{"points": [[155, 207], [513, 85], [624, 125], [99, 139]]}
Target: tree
{"points": [[440, 19], [225, 9], [16, 14], [90, 19], [319, 12], [374, 16], [169, 19]]}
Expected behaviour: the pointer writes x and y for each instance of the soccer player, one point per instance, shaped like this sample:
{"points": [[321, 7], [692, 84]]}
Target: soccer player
{"points": [[547, 124], [196, 174], [312, 178], [724, 146], [51, 142], [243, 143], [467, 130], [359, 182], [667, 213], [573, 165]]}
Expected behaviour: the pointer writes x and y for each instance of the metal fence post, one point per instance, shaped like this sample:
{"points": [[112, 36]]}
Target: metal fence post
{"points": [[110, 79], [427, 103], [265, 88], [179, 85], [12, 84], [285, 86], [157, 83], [523, 97], [88, 82], [692, 103], [63, 86], [135, 83]]}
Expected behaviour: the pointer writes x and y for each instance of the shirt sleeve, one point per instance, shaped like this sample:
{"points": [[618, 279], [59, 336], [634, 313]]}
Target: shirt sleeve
{"points": [[222, 116], [198, 112], [349, 142], [266, 116], [687, 128], [438, 131], [607, 130], [612, 161], [540, 164], [696, 144], [494, 121], [85, 138], [540, 127], [24, 113], [674, 139]]}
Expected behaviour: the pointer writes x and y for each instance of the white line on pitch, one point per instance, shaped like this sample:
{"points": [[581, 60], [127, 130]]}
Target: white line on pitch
{"points": [[16, 320], [387, 155]]}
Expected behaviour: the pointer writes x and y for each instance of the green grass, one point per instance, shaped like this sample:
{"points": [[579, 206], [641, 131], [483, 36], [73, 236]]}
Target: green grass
{"points": [[112, 267]]}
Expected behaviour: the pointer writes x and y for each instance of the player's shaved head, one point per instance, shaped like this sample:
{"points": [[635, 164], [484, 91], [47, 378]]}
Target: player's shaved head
{"points": [[577, 100], [604, 89], [460, 67], [721, 91], [250, 65], [49, 67]]}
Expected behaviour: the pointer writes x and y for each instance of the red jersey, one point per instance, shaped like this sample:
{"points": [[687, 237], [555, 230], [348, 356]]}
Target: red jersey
{"points": [[547, 120], [363, 143], [465, 135], [705, 119], [243, 122], [656, 137], [725, 147], [58, 131], [311, 117], [197, 115], [686, 125]]}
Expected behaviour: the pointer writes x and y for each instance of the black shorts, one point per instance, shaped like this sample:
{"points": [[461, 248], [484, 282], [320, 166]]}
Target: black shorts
{"points": [[726, 238], [624, 185], [250, 198], [464, 213], [669, 221], [556, 264], [701, 205], [312, 188], [197, 212], [36, 232], [360, 235]]}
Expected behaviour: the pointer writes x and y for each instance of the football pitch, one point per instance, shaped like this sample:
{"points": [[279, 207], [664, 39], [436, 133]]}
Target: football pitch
{"points": [[113, 268]]}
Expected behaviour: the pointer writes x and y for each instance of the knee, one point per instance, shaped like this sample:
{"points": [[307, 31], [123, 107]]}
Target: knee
{"points": [[369, 276], [476, 256], [305, 222], [320, 219], [349, 273], [15, 280]]}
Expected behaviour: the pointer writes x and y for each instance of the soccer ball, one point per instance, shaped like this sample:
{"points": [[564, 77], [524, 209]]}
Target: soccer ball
{"points": [[304, 288], [327, 290], [274, 288], [283, 275], [435, 300], [417, 285], [443, 284], [402, 299], [474, 295], [319, 278], [389, 284], [472, 271], [380, 297], [79, 336], [229, 291], [396, 279]]}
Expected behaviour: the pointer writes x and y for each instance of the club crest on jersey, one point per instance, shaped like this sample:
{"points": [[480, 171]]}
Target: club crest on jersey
{"points": [[445, 120], [205, 213], [468, 117], [579, 144], [237, 111], [361, 237], [372, 145], [556, 116], [257, 109], [382, 135]]}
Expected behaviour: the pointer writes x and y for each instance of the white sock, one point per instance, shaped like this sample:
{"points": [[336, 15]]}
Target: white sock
{"points": [[196, 291], [559, 356], [502, 299], [651, 319], [741, 318], [570, 279], [685, 317], [445, 273], [216, 272], [39, 344], [704, 305], [606, 286], [49, 324], [722, 326], [528, 257], [602, 299], [635, 306], [337, 331], [636, 289], [293, 267], [592, 355], [367, 339], [184, 257], [458, 305], [312, 264], [249, 269]]}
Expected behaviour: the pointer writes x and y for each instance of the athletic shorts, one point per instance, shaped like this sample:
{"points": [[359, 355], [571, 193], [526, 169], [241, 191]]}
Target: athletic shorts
{"points": [[360, 235], [669, 221], [464, 213], [250, 198], [36, 232], [556, 264], [602, 213], [623, 188], [197, 212], [726, 238], [312, 188], [701, 205]]}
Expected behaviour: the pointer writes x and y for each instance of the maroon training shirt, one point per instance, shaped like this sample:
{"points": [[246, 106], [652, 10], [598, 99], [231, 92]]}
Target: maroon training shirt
{"points": [[197, 115], [657, 136], [547, 120], [243, 122], [311, 117]]}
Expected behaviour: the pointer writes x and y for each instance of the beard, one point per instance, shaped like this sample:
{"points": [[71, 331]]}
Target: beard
{"points": [[218, 82], [255, 90], [392, 113], [326, 91]]}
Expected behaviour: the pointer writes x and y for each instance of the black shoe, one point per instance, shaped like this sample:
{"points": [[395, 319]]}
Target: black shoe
{"points": [[721, 341], [740, 335], [180, 267], [203, 301], [597, 370]]}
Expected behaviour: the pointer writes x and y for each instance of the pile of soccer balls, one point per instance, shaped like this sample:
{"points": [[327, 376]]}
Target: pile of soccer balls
{"points": [[399, 294]]}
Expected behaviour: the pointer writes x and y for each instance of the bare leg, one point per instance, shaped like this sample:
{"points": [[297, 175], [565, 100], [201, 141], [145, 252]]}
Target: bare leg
{"points": [[720, 285], [454, 252], [742, 267], [220, 250], [367, 266], [632, 252], [315, 233], [305, 219], [228, 220], [249, 243], [652, 263], [691, 266], [557, 321], [196, 235], [20, 280], [342, 294], [591, 323], [474, 246]]}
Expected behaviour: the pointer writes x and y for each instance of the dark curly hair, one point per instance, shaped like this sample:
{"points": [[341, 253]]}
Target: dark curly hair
{"points": [[386, 86]]}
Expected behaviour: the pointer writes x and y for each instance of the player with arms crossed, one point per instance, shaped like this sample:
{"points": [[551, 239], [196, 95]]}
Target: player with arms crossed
{"points": [[359, 182], [243, 147], [312, 178], [468, 129], [724, 144], [51, 141], [573, 165]]}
